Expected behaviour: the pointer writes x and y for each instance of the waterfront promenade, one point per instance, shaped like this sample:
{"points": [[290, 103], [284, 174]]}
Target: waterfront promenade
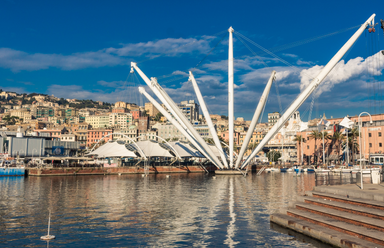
{"points": [[342, 215]]}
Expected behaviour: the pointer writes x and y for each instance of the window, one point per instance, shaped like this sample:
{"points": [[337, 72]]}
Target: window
{"points": [[379, 134], [370, 144], [380, 145], [307, 147], [369, 134], [307, 138]]}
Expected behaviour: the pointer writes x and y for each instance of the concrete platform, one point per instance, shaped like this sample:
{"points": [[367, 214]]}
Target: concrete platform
{"points": [[343, 215], [230, 172]]}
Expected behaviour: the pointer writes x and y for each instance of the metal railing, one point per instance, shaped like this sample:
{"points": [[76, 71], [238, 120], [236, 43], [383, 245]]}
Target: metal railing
{"points": [[340, 178]]}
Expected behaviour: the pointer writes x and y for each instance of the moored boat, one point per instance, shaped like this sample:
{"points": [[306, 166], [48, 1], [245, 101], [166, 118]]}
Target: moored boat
{"points": [[12, 171]]}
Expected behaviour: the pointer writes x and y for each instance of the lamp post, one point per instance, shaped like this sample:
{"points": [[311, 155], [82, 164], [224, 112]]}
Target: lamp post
{"points": [[361, 167]]}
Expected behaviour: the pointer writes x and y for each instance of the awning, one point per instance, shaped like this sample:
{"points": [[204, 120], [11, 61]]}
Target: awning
{"points": [[152, 148], [113, 149], [185, 150]]}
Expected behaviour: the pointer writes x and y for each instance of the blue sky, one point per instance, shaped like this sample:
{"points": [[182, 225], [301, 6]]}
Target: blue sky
{"points": [[83, 49]]}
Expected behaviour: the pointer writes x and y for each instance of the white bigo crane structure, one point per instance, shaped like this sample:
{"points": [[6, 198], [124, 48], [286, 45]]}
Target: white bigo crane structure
{"points": [[185, 127]]}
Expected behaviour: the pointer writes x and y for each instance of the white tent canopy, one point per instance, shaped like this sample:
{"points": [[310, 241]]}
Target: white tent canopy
{"points": [[153, 149], [113, 149], [215, 150], [185, 150], [347, 123]]}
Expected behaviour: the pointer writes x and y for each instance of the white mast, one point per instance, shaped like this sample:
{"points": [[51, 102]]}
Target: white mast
{"points": [[231, 115], [313, 85], [208, 119], [183, 119], [175, 123], [164, 98], [151, 84], [256, 116]]}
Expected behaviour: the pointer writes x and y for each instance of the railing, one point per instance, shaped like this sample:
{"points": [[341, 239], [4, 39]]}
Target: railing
{"points": [[261, 171], [340, 178]]}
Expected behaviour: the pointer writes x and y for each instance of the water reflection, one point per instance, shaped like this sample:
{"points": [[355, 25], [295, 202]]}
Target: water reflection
{"points": [[129, 210]]}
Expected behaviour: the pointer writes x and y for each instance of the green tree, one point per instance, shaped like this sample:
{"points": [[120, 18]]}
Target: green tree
{"points": [[299, 140], [352, 141], [338, 137], [273, 155], [315, 135], [10, 120], [252, 146], [158, 116]]}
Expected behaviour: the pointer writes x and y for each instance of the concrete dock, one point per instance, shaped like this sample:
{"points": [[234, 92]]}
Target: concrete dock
{"points": [[342, 215]]}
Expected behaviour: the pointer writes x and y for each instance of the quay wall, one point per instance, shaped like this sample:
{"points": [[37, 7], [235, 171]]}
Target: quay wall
{"points": [[73, 171]]}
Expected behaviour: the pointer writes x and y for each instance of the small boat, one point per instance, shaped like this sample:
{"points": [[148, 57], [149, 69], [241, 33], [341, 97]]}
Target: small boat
{"points": [[48, 236], [322, 170], [272, 169], [6, 170], [297, 168], [310, 169]]}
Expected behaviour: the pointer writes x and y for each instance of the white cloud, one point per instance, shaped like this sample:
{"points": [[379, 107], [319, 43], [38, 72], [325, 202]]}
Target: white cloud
{"points": [[14, 89], [357, 67], [76, 91], [168, 47], [19, 60], [113, 84]]}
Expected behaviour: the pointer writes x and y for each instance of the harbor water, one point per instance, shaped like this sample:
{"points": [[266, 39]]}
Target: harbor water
{"points": [[179, 210]]}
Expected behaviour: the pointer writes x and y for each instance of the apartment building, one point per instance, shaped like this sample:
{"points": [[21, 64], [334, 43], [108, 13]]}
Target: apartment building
{"points": [[125, 134], [97, 121], [272, 118], [190, 109], [151, 110], [96, 135], [122, 120]]}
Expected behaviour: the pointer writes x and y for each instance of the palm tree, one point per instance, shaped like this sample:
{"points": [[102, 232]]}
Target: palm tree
{"points": [[327, 137], [338, 137], [351, 139], [252, 146], [315, 135], [299, 138]]}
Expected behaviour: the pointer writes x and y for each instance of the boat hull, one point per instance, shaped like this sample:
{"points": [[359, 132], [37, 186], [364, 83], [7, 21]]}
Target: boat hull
{"points": [[6, 171]]}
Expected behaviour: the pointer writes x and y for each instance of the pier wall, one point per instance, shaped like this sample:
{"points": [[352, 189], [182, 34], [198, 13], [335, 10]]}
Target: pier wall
{"points": [[73, 171]]}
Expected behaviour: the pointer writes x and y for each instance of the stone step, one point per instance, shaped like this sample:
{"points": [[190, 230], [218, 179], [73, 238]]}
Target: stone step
{"points": [[345, 207], [371, 191], [343, 216], [340, 226], [349, 200], [324, 234]]}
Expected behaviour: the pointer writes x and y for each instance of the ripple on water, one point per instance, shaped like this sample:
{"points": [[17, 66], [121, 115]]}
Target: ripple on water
{"points": [[183, 210]]}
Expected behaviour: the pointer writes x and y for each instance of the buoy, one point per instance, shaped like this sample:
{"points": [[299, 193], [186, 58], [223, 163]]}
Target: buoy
{"points": [[142, 175], [370, 30], [119, 174], [167, 176], [213, 177], [48, 237]]}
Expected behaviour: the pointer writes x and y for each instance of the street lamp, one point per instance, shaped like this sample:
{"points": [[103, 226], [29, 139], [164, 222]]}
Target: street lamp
{"points": [[361, 149]]}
